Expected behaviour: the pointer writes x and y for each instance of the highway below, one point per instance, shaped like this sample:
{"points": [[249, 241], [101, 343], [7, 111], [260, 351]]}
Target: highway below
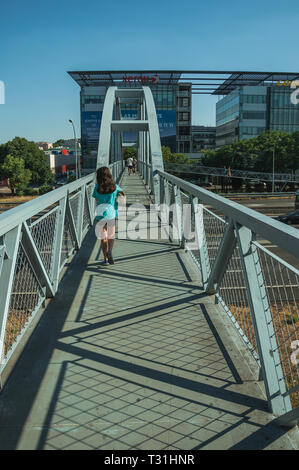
{"points": [[273, 207]]}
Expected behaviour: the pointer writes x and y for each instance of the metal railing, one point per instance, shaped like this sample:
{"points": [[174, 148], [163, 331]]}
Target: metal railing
{"points": [[258, 290], [214, 171], [36, 240]]}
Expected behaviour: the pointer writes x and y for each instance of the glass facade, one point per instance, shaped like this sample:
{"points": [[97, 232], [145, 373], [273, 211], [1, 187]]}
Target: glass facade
{"points": [[250, 110], [227, 118], [203, 138], [284, 115], [227, 109], [253, 99], [250, 131]]}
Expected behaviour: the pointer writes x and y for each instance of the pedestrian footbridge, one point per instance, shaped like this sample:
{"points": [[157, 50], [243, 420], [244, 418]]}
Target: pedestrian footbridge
{"points": [[179, 345]]}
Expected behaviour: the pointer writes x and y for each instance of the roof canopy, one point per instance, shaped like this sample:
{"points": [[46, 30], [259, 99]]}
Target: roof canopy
{"points": [[203, 81]]}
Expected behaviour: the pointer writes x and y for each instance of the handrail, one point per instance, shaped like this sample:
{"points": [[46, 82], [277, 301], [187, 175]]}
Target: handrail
{"points": [[12, 217], [284, 236]]}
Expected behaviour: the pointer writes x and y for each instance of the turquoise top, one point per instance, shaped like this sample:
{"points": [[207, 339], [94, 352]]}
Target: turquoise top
{"points": [[107, 207]]}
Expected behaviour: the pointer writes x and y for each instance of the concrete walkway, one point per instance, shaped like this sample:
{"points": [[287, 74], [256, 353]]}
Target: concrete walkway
{"points": [[134, 356]]}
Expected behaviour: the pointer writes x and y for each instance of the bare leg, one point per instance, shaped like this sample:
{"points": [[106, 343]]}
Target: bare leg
{"points": [[111, 236], [110, 244], [104, 245], [104, 248]]}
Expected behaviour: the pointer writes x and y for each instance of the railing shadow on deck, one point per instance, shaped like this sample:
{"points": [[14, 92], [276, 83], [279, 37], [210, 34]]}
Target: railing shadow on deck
{"points": [[43, 345]]}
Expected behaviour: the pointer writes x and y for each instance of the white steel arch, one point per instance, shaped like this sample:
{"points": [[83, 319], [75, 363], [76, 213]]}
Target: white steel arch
{"points": [[149, 144]]}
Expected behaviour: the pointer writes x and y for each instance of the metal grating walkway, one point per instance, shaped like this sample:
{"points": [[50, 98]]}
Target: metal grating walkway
{"points": [[134, 356]]}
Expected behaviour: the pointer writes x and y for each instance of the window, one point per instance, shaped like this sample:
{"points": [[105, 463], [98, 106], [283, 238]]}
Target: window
{"points": [[92, 99], [254, 99], [254, 115]]}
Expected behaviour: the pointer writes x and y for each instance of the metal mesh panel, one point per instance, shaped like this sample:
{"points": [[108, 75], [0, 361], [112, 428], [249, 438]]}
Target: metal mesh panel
{"points": [[25, 297], [214, 228], [282, 287], [68, 242], [43, 232], [233, 295]]}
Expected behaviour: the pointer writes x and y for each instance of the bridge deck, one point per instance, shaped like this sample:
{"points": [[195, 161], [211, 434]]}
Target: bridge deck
{"points": [[134, 356]]}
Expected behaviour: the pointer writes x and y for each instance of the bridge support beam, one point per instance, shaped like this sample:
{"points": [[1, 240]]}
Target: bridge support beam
{"points": [[105, 130]]}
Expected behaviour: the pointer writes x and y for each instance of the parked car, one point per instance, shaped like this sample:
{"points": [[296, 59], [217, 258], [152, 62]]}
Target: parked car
{"points": [[290, 218]]}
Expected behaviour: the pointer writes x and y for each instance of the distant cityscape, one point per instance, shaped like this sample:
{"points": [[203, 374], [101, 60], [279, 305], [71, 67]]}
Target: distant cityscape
{"points": [[250, 103], [61, 158]]}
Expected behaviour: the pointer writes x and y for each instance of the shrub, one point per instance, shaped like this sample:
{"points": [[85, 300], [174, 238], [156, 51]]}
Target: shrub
{"points": [[45, 188], [29, 191]]}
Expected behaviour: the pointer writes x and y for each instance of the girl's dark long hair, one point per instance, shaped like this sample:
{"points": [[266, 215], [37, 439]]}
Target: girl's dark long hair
{"points": [[105, 181]]}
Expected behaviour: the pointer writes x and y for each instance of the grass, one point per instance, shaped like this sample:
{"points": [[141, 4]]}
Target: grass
{"points": [[286, 327], [16, 199]]}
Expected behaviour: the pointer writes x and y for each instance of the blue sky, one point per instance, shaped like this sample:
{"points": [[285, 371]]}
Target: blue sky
{"points": [[41, 41]]}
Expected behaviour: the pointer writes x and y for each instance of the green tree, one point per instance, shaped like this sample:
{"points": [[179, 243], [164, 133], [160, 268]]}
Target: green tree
{"points": [[169, 157], [34, 159], [129, 152], [166, 154], [58, 143], [18, 176], [257, 153]]}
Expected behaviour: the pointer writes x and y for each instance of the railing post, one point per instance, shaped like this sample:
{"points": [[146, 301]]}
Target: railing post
{"points": [[80, 213], [148, 176], [73, 228], [203, 248], [262, 323], [57, 242], [177, 220], [166, 193], [162, 189], [89, 207], [223, 257]]}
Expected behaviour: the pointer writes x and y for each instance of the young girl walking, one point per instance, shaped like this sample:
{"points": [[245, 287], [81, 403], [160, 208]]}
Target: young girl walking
{"points": [[105, 193]]}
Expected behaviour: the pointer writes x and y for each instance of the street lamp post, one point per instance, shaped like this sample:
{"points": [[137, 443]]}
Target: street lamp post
{"points": [[273, 166], [77, 166], [273, 159]]}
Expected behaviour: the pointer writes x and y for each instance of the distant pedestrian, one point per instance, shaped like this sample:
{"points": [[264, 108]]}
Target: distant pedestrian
{"points": [[134, 164], [105, 193], [130, 165]]}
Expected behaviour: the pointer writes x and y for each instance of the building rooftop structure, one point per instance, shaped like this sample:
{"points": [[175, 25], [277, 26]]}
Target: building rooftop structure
{"points": [[213, 82]]}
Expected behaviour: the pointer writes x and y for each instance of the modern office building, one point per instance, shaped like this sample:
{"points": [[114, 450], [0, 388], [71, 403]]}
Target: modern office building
{"points": [[203, 138], [250, 102], [250, 110]]}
